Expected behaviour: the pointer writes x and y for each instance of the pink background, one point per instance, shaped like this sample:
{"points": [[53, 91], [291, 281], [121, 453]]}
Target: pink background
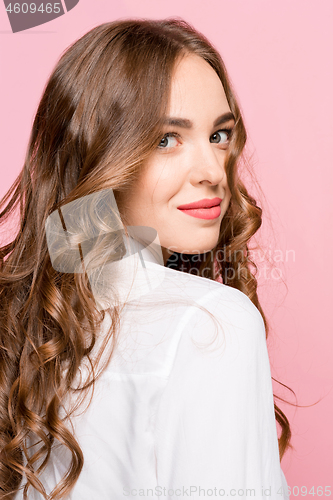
{"points": [[279, 56]]}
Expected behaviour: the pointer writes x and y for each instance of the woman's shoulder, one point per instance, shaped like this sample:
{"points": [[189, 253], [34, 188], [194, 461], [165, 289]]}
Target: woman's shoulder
{"points": [[220, 299], [183, 309]]}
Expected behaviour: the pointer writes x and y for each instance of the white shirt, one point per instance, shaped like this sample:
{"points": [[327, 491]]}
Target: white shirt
{"points": [[185, 408]]}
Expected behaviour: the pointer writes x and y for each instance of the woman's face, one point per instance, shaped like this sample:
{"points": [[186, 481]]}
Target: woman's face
{"points": [[187, 165]]}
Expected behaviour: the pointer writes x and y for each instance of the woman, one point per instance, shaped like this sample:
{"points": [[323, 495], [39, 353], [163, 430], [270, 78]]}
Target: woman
{"points": [[114, 379]]}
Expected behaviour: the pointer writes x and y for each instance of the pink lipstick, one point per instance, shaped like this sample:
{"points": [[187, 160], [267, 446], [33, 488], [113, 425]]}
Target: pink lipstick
{"points": [[203, 209]]}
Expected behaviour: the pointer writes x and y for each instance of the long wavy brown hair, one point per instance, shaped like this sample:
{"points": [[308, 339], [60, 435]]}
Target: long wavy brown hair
{"points": [[99, 118]]}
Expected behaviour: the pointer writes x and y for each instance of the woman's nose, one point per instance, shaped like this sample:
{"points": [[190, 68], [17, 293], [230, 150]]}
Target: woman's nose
{"points": [[208, 165]]}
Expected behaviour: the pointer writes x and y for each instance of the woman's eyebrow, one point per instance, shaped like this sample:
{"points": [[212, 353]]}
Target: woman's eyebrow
{"points": [[186, 123]]}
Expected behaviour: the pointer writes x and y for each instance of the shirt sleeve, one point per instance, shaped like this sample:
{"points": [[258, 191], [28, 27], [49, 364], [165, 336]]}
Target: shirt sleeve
{"points": [[215, 430]]}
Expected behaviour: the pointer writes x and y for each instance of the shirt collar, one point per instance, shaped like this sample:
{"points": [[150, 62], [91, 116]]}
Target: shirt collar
{"points": [[137, 274]]}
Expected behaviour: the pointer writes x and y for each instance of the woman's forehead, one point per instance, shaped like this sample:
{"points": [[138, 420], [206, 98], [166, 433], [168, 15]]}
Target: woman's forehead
{"points": [[195, 86]]}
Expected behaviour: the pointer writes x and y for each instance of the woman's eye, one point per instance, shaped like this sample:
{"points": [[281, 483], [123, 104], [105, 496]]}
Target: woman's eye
{"points": [[221, 136], [168, 140]]}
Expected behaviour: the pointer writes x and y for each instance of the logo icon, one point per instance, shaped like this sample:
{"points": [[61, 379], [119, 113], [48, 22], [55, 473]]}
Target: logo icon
{"points": [[88, 236], [24, 15]]}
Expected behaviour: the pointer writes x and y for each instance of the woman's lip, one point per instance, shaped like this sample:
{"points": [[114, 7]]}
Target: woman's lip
{"points": [[205, 203], [203, 213]]}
